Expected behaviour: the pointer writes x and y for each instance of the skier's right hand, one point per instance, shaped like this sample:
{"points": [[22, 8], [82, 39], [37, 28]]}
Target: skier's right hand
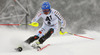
{"points": [[35, 24]]}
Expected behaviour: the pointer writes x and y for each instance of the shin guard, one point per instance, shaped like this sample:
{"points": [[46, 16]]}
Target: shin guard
{"points": [[31, 39], [46, 36]]}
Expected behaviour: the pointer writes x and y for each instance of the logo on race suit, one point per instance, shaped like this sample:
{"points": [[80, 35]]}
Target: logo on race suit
{"points": [[41, 31], [39, 14]]}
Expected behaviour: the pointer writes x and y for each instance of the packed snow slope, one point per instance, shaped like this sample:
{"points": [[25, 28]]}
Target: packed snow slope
{"points": [[60, 45]]}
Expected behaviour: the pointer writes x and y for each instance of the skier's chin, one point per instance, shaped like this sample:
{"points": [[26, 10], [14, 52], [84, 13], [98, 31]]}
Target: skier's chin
{"points": [[46, 13]]}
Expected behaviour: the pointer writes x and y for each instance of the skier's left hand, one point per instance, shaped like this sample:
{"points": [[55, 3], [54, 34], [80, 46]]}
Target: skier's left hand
{"points": [[62, 29], [62, 32]]}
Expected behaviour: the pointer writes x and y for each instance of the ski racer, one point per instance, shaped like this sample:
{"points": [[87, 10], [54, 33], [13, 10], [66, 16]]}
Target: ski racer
{"points": [[50, 24]]}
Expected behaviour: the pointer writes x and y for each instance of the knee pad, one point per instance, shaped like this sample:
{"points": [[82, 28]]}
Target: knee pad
{"points": [[31, 39], [35, 37], [51, 31]]}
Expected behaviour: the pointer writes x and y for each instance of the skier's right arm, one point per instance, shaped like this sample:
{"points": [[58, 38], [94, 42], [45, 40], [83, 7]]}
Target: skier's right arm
{"points": [[37, 16]]}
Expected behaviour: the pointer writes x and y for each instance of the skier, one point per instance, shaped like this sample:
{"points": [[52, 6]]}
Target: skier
{"points": [[50, 24]]}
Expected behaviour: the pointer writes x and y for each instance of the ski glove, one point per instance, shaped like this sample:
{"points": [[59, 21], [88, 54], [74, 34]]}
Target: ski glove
{"points": [[35, 24], [62, 31]]}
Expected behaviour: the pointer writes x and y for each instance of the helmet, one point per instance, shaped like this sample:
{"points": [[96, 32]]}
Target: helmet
{"points": [[46, 5]]}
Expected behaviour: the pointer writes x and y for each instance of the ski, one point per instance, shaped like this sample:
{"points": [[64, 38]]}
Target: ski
{"points": [[43, 47], [38, 48]]}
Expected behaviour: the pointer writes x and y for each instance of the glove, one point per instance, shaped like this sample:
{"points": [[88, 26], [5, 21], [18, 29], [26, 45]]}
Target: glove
{"points": [[35, 24], [62, 29]]}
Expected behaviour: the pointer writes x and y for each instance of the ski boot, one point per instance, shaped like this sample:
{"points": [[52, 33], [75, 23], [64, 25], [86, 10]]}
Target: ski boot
{"points": [[19, 49], [23, 46], [36, 45]]}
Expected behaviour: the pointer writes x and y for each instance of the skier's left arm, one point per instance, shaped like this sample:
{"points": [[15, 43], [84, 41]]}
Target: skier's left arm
{"points": [[61, 19]]}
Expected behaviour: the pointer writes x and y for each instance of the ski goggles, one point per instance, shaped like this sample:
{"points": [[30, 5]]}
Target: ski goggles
{"points": [[46, 10]]}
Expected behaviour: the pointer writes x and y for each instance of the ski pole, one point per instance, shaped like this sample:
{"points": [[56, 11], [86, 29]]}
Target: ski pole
{"points": [[34, 24], [62, 33]]}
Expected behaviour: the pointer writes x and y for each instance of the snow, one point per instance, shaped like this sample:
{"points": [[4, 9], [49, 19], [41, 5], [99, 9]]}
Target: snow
{"points": [[62, 45]]}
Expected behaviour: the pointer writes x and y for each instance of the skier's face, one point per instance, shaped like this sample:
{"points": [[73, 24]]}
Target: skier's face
{"points": [[46, 11]]}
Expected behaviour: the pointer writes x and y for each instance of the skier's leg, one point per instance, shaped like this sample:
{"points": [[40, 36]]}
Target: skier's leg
{"points": [[26, 43], [31, 39], [41, 32], [50, 31], [46, 36], [37, 36]]}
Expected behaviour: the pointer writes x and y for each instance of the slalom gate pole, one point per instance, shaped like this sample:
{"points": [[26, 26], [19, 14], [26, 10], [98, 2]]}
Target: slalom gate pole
{"points": [[9, 24], [34, 24], [84, 37], [61, 33]]}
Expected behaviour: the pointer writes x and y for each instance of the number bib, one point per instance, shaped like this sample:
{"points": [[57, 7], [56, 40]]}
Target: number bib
{"points": [[48, 19]]}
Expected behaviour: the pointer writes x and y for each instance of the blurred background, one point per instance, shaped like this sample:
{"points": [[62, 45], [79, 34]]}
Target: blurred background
{"points": [[80, 15]]}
